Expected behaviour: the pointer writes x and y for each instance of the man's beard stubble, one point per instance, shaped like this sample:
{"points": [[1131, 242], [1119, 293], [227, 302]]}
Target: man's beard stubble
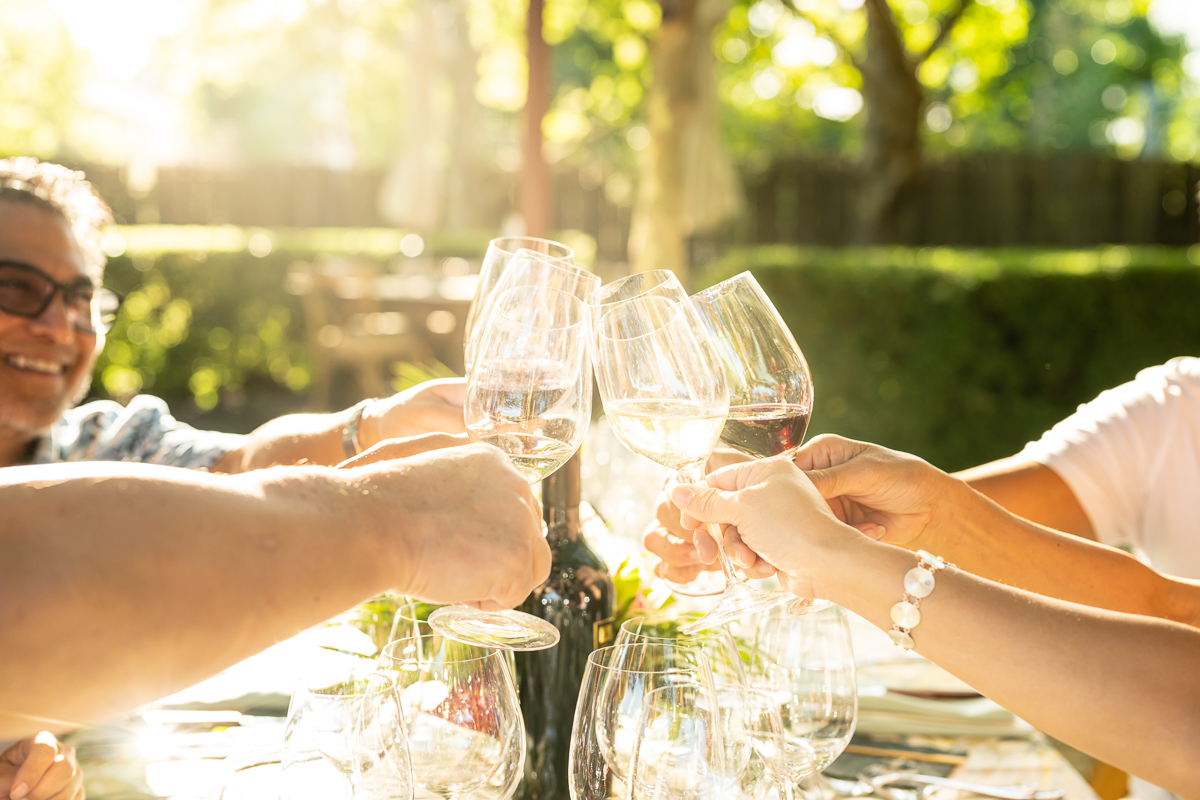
{"points": [[34, 418]]}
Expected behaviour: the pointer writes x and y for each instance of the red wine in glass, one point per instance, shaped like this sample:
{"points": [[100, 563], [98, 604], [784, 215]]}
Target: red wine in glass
{"points": [[764, 430]]}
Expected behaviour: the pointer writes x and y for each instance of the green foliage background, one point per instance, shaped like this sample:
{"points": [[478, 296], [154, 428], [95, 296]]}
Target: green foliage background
{"points": [[963, 356]]}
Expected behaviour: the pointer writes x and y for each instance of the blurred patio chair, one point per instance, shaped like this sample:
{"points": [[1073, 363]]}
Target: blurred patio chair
{"points": [[348, 326]]}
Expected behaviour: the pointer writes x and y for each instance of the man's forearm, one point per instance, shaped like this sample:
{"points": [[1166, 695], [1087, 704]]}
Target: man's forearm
{"points": [[984, 539], [137, 581]]}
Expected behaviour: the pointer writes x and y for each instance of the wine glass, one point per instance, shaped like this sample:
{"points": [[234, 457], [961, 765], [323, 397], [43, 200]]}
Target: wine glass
{"points": [[665, 397], [500, 253], [792, 772], [806, 665], [353, 726], [678, 755], [770, 387], [616, 682], [530, 394], [460, 707]]}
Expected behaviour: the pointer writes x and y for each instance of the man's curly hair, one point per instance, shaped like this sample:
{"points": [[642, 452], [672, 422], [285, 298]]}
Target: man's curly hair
{"points": [[63, 191]]}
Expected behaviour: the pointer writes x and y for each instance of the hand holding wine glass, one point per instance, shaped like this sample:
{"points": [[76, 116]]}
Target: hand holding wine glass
{"points": [[666, 397], [530, 395], [770, 387]]}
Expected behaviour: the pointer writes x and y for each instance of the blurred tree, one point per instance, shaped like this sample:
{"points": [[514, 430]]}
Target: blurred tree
{"points": [[41, 72]]}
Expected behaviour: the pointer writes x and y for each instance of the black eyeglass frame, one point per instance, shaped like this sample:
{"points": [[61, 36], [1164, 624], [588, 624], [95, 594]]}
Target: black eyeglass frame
{"points": [[101, 318]]}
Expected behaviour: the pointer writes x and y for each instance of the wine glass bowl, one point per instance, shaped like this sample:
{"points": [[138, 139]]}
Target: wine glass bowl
{"points": [[500, 253], [530, 391], [460, 707]]}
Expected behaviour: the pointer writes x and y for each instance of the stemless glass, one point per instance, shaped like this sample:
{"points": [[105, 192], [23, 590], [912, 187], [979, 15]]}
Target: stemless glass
{"points": [[500, 253], [806, 664], [530, 394], [466, 736], [665, 396], [354, 727], [770, 387], [609, 712]]}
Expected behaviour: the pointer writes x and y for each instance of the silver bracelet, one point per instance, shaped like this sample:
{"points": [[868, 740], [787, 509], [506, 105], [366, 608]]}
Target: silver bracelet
{"points": [[918, 583], [350, 431]]}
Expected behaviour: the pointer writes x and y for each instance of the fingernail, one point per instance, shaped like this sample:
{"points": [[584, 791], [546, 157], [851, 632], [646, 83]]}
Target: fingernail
{"points": [[878, 532], [744, 557], [682, 495], [19, 791]]}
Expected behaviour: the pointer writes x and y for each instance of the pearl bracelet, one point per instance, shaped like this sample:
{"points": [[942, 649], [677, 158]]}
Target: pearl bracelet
{"points": [[918, 583]]}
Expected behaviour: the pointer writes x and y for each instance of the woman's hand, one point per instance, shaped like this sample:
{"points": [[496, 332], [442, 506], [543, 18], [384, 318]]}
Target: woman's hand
{"points": [[893, 497], [40, 768], [684, 555], [771, 507]]}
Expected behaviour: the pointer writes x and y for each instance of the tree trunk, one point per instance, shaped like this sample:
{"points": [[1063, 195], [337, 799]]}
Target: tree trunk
{"points": [[534, 191], [892, 160], [687, 183]]}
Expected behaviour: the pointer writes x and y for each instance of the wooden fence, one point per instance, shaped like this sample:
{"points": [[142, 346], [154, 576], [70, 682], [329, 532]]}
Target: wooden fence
{"points": [[981, 201]]}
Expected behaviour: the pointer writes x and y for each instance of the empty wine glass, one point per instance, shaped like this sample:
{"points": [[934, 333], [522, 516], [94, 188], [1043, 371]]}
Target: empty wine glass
{"points": [[530, 394], [679, 755], [500, 253], [616, 682], [665, 396], [465, 731], [806, 665], [770, 388], [348, 739], [792, 772]]}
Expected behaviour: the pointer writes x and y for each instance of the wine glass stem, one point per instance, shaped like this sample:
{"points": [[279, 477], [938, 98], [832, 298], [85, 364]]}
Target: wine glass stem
{"points": [[694, 477]]}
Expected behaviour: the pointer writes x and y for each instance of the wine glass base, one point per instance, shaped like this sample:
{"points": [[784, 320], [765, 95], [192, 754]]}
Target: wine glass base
{"points": [[706, 584], [808, 605], [497, 630], [739, 601]]}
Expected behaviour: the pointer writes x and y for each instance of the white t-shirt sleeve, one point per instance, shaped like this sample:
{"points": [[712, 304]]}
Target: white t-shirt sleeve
{"points": [[1108, 449]]}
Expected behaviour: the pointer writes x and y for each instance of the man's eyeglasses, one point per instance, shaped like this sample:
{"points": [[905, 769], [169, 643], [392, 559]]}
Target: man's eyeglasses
{"points": [[26, 291]]}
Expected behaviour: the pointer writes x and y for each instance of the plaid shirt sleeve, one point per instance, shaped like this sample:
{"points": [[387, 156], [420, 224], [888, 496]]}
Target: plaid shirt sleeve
{"points": [[143, 431]]}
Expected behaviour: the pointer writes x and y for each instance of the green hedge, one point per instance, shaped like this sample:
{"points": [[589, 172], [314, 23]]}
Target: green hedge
{"points": [[963, 356]]}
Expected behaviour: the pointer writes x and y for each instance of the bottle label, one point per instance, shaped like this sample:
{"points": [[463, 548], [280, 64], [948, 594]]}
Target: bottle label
{"points": [[602, 633]]}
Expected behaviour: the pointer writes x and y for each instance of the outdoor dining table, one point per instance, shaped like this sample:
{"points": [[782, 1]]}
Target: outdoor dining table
{"points": [[188, 746]]}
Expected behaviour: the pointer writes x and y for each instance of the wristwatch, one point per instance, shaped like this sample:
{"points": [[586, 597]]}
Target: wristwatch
{"points": [[350, 431]]}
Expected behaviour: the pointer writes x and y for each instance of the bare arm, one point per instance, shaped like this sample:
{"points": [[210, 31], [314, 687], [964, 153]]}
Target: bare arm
{"points": [[431, 407], [1117, 686], [126, 582], [1033, 491], [903, 500]]}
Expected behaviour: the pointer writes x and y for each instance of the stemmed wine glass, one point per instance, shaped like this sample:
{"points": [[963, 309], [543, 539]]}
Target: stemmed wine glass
{"points": [[609, 715], [460, 707], [770, 387], [665, 396], [530, 394], [805, 664]]}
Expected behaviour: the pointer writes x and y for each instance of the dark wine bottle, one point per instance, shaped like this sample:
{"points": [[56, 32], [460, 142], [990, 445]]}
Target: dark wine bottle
{"points": [[578, 599]]}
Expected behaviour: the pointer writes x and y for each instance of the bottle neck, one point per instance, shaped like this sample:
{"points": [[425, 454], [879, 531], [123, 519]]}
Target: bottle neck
{"points": [[560, 504]]}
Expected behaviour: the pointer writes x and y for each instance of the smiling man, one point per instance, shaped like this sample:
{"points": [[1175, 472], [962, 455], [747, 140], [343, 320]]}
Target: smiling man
{"points": [[53, 316]]}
